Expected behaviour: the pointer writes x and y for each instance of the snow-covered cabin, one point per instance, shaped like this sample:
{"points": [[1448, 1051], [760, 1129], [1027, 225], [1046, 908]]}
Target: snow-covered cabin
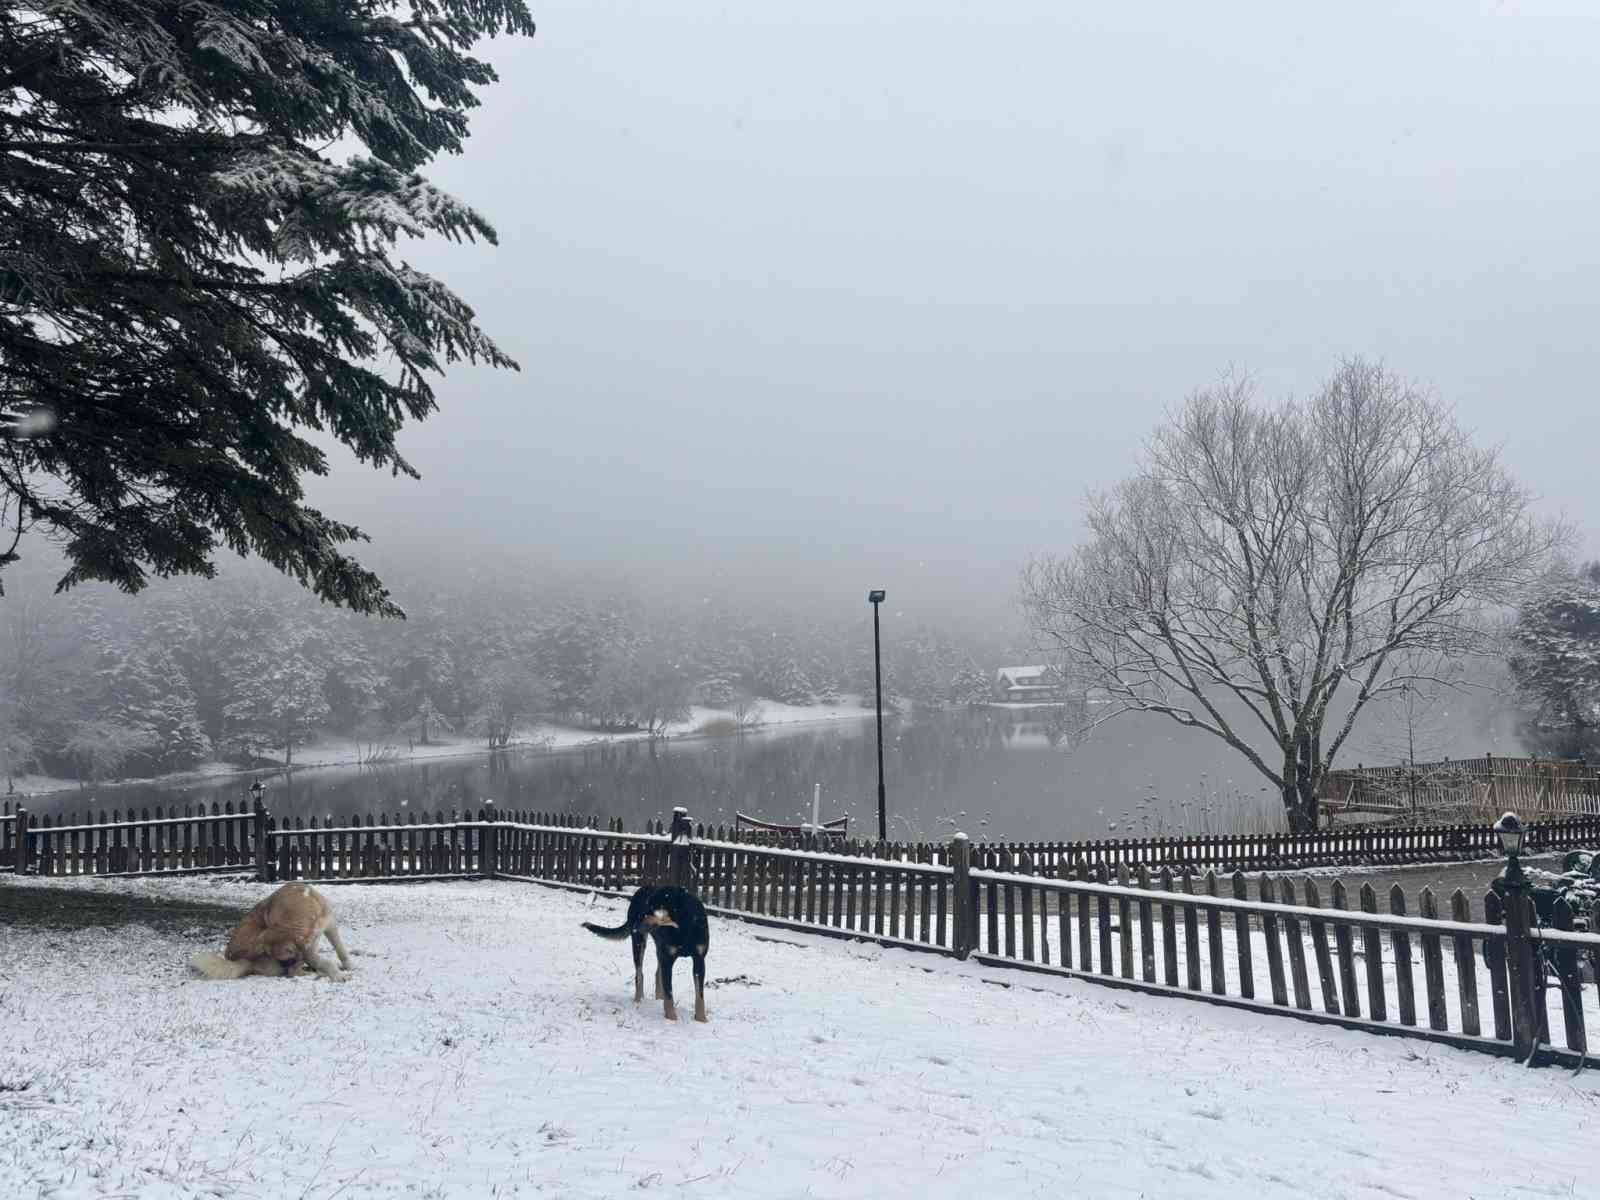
{"points": [[1024, 685]]}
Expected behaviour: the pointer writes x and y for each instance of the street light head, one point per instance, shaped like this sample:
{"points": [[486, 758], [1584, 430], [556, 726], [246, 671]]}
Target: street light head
{"points": [[1511, 832], [875, 596], [256, 789]]}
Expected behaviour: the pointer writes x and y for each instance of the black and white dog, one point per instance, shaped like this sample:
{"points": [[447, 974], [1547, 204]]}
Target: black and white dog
{"points": [[677, 923]]}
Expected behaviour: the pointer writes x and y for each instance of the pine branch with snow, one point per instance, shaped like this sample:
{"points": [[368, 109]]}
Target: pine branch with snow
{"points": [[190, 286]]}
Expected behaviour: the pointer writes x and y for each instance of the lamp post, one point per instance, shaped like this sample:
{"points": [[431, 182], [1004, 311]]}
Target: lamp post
{"points": [[258, 825], [1512, 888], [875, 598], [1511, 832]]}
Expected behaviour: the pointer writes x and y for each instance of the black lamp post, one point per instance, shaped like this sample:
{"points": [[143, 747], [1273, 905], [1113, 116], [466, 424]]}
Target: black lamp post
{"points": [[1512, 888], [256, 791], [875, 598], [1511, 832]]}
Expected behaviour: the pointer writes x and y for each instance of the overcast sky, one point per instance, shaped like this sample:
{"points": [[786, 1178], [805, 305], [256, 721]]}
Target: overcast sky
{"points": [[841, 295]]}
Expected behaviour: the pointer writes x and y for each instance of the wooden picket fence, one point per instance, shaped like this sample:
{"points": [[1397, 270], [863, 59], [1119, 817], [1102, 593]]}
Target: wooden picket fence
{"points": [[1469, 789], [222, 839], [1496, 985], [226, 839], [412, 844]]}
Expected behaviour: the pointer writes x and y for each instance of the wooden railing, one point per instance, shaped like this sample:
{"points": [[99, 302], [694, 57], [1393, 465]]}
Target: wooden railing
{"points": [[872, 894], [136, 844], [1484, 985], [410, 844], [1467, 789]]}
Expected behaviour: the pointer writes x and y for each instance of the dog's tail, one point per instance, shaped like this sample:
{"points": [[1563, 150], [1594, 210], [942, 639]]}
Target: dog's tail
{"points": [[214, 966], [615, 935]]}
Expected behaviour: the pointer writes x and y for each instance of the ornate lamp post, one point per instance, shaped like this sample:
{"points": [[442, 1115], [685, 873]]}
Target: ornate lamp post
{"points": [[1513, 889]]}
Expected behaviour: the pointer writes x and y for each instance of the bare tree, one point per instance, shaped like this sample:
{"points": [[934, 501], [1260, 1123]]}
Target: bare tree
{"points": [[1268, 572], [1414, 718]]}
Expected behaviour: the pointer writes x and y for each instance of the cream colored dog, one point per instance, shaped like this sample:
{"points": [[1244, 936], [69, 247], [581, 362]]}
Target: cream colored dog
{"points": [[279, 937]]}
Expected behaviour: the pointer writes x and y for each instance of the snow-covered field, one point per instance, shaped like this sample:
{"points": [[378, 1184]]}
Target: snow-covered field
{"points": [[486, 1046], [340, 752]]}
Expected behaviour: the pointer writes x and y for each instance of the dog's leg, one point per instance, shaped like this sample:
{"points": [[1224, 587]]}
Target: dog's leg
{"points": [[664, 961], [638, 966], [332, 933], [321, 965], [699, 984]]}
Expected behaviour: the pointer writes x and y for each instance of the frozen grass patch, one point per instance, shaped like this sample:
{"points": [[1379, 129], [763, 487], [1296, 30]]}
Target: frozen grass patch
{"points": [[63, 909]]}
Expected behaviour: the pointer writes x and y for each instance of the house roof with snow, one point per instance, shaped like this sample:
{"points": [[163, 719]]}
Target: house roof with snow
{"points": [[1021, 675]]}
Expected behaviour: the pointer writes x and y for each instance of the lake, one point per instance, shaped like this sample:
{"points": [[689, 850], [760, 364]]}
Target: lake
{"points": [[995, 773]]}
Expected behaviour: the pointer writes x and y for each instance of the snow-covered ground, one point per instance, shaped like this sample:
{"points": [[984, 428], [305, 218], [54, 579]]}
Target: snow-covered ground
{"points": [[339, 752], [486, 1046]]}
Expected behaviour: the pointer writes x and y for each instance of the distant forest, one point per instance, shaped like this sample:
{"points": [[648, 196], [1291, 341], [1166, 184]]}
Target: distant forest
{"points": [[98, 685]]}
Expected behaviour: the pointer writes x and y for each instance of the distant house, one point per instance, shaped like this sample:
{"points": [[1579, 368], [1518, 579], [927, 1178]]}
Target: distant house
{"points": [[1027, 685]]}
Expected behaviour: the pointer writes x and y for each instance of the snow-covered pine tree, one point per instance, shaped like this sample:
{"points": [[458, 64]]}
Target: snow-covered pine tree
{"points": [[783, 680], [1555, 660], [970, 685], [609, 702], [569, 652], [279, 697], [428, 720], [147, 697], [179, 739], [861, 678], [189, 276]]}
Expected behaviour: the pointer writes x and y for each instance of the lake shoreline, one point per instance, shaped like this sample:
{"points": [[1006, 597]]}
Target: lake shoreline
{"points": [[343, 753]]}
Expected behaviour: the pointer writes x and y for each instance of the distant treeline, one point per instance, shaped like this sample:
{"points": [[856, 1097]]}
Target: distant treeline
{"points": [[97, 685]]}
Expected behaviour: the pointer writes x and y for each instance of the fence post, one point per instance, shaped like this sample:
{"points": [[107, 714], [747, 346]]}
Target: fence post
{"points": [[263, 859], [679, 868], [488, 843], [1570, 976], [964, 933], [1519, 968], [24, 851]]}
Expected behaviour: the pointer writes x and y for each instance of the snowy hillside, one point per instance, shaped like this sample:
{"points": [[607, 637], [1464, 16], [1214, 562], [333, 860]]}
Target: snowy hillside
{"points": [[487, 1046]]}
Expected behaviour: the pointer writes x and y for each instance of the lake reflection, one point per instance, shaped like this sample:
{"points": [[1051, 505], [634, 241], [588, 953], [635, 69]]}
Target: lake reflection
{"points": [[994, 773]]}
